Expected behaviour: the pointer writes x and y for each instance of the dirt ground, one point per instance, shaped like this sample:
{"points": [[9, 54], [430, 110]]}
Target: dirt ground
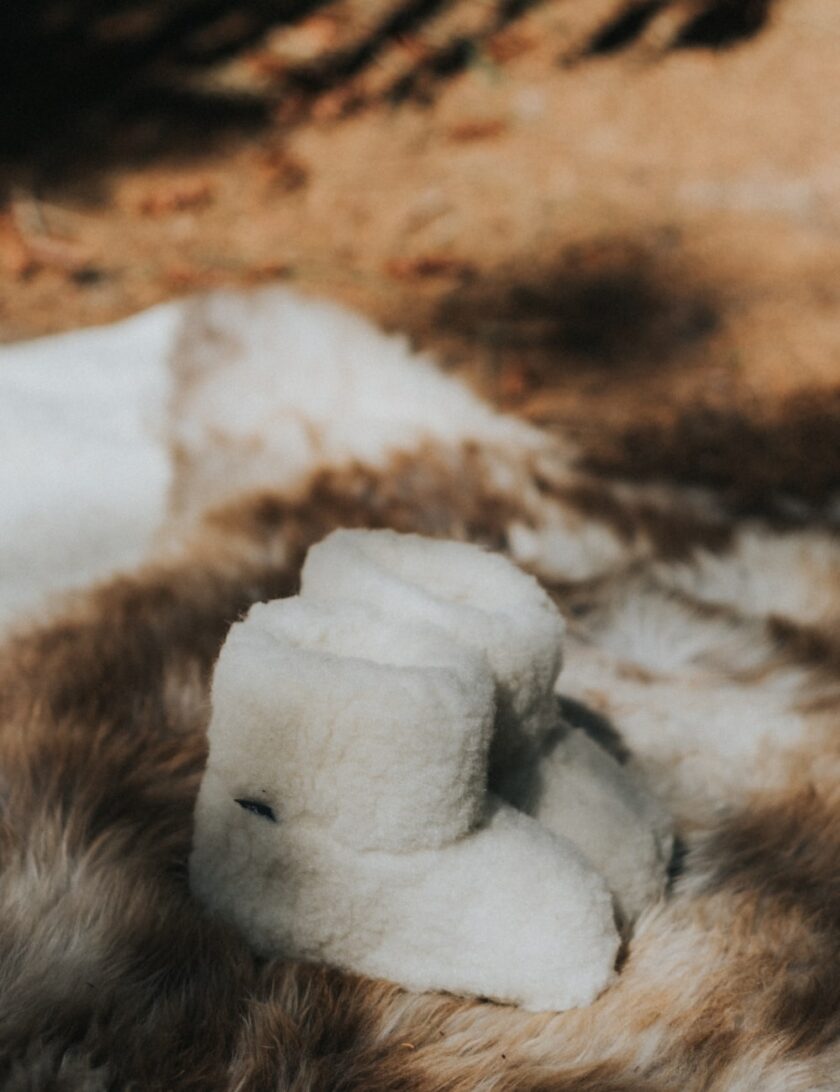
{"points": [[622, 219]]}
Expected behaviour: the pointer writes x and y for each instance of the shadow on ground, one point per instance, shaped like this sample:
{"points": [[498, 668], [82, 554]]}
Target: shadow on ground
{"points": [[90, 83], [605, 305], [720, 24]]}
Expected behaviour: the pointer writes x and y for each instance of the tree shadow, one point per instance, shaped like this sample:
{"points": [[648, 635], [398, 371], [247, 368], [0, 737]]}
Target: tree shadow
{"points": [[70, 68], [90, 83], [433, 66], [714, 24], [605, 305], [623, 29], [724, 24]]}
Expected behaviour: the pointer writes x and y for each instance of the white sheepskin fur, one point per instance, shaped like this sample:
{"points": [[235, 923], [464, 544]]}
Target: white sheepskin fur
{"points": [[712, 662], [270, 384], [111, 434], [84, 466], [344, 815]]}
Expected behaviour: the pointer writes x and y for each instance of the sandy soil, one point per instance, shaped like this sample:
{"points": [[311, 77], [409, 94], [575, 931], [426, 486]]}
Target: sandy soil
{"points": [[620, 219]]}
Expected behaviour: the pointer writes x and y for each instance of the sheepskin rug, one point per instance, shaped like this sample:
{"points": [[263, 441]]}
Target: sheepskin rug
{"points": [[159, 476]]}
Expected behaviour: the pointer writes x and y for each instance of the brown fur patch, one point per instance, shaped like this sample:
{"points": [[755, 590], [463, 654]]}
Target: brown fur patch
{"points": [[432, 492], [673, 531], [751, 459], [785, 858]]}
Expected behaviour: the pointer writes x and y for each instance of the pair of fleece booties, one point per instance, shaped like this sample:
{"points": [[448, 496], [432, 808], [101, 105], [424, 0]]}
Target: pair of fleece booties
{"points": [[345, 813]]}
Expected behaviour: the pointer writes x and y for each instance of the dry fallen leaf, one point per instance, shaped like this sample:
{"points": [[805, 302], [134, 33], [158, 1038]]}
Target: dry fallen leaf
{"points": [[190, 194], [508, 44], [282, 171], [477, 129], [430, 265]]}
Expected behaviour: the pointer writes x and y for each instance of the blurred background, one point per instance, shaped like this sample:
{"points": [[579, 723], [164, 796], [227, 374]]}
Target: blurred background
{"points": [[617, 217]]}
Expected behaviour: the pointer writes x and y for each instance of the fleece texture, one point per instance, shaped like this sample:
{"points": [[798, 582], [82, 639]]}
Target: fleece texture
{"points": [[335, 715], [477, 596], [577, 789], [344, 814], [560, 777]]}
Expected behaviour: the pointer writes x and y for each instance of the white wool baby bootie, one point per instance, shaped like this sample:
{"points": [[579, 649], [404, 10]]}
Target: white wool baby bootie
{"points": [[343, 815], [557, 775], [574, 787]]}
